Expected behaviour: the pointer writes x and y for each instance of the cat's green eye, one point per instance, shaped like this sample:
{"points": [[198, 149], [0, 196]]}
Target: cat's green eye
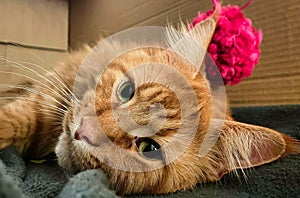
{"points": [[149, 148], [126, 91]]}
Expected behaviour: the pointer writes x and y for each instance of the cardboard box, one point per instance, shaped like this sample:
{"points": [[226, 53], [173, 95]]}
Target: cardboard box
{"points": [[33, 31], [39, 23]]}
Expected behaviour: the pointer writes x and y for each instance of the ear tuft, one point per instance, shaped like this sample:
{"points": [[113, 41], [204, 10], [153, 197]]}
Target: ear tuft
{"points": [[204, 31], [292, 146]]}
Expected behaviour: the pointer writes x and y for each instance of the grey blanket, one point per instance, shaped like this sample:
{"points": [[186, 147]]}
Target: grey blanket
{"points": [[21, 178]]}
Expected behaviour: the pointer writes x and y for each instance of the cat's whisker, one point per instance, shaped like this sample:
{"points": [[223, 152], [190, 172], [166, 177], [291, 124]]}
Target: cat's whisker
{"points": [[54, 123], [52, 114], [56, 76], [36, 92], [62, 111], [56, 119], [50, 67], [39, 82], [43, 103], [22, 66]]}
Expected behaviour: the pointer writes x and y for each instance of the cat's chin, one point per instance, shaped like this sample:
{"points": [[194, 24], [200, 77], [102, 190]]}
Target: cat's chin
{"points": [[69, 155], [64, 155], [73, 155]]}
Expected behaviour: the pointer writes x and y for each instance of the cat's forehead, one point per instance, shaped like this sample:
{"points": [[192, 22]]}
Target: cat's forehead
{"points": [[145, 57], [140, 56]]}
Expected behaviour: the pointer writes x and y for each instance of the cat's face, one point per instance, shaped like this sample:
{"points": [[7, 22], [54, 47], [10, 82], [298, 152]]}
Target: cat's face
{"points": [[137, 114]]}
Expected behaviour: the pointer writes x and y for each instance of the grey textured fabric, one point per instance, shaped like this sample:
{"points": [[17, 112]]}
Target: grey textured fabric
{"points": [[7, 185], [21, 178], [90, 183], [29, 179]]}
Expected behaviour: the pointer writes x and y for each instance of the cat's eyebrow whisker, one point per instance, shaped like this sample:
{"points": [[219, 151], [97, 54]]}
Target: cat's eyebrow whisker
{"points": [[22, 66], [30, 78], [156, 76], [36, 92]]}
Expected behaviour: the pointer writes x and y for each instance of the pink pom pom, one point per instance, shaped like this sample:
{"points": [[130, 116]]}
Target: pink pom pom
{"points": [[235, 44]]}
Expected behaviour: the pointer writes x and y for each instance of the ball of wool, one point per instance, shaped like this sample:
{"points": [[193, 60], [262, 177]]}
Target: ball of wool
{"points": [[235, 44]]}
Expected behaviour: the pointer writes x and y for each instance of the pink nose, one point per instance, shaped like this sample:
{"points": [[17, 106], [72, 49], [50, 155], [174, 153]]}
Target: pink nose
{"points": [[85, 131], [78, 135], [80, 132]]}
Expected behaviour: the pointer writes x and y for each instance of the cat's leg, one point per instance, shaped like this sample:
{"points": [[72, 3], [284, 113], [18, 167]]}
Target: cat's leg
{"points": [[32, 124], [18, 122]]}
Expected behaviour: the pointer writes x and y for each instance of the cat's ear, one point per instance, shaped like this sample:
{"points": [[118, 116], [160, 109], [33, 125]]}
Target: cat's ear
{"points": [[203, 32], [192, 44], [243, 146]]}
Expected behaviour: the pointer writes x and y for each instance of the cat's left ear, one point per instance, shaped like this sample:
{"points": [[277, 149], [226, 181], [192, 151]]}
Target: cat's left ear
{"points": [[203, 32], [192, 44], [243, 146]]}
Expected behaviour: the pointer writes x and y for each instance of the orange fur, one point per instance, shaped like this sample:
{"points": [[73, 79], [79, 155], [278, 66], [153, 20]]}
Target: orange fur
{"points": [[34, 127]]}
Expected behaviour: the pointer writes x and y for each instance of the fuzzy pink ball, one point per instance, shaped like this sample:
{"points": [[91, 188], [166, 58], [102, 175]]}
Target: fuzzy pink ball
{"points": [[234, 46]]}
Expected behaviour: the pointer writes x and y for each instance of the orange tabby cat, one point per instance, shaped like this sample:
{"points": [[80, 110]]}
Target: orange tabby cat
{"points": [[139, 160]]}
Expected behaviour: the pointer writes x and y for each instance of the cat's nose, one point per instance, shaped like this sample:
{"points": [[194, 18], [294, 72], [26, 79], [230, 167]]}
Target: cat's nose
{"points": [[85, 131], [79, 133]]}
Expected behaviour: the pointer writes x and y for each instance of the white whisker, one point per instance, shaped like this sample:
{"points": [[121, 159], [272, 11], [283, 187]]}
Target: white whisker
{"points": [[43, 103], [22, 66], [45, 85], [36, 92], [56, 76], [62, 81], [45, 112]]}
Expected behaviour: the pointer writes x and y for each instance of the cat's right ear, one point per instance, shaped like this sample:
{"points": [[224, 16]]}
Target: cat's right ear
{"points": [[243, 145]]}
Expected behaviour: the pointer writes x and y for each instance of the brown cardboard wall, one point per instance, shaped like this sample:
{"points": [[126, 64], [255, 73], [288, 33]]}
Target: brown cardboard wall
{"points": [[41, 23], [89, 20], [34, 31], [276, 79]]}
